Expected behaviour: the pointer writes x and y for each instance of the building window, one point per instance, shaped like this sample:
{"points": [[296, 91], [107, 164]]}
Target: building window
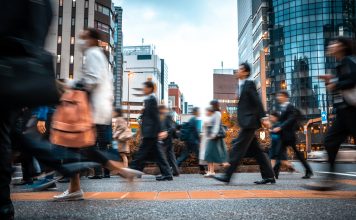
{"points": [[73, 3], [86, 5], [59, 20], [102, 9], [103, 27], [85, 22], [58, 58], [73, 21], [60, 2], [71, 59], [72, 40], [59, 40]]}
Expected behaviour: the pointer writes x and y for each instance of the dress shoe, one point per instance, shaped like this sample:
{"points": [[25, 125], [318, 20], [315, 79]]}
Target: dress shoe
{"points": [[7, 212], [276, 173], [176, 174], [265, 181], [222, 178], [95, 177], [323, 185], [308, 175], [164, 178]]}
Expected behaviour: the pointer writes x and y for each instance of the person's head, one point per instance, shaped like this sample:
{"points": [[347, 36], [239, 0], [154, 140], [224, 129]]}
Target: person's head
{"points": [[196, 112], [148, 87], [209, 111], [244, 71], [163, 110], [90, 37], [282, 96], [274, 117], [215, 105], [117, 112], [341, 47]]}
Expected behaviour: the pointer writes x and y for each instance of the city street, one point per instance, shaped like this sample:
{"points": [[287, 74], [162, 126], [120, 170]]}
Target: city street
{"points": [[193, 197]]}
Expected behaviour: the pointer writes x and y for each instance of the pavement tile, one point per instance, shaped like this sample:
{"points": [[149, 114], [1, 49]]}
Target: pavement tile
{"points": [[173, 195], [348, 182], [104, 195], [31, 196], [140, 195], [205, 195], [237, 194]]}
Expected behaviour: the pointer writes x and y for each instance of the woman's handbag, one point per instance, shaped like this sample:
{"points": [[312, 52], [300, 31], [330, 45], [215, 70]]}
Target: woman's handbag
{"points": [[222, 132], [27, 76]]}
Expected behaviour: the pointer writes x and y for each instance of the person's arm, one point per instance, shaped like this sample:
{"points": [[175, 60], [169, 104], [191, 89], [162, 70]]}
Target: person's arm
{"points": [[217, 122], [348, 79], [292, 117], [256, 100]]}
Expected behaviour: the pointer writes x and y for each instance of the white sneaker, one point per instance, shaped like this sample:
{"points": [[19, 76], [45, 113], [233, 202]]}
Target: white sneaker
{"points": [[66, 196], [208, 175]]}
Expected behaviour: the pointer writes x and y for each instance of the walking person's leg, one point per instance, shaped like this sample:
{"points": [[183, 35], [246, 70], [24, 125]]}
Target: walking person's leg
{"points": [[239, 150], [308, 169], [139, 158], [184, 154], [162, 161], [172, 159], [264, 163], [6, 207]]}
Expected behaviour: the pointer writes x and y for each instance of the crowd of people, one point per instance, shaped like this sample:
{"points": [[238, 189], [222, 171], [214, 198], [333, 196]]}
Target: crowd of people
{"points": [[79, 130]]}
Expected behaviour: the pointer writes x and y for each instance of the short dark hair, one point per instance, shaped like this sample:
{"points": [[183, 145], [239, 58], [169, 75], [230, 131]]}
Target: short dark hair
{"points": [[93, 33], [150, 85], [215, 105], [118, 111], [275, 114], [246, 66], [162, 107], [284, 93], [195, 110], [348, 44]]}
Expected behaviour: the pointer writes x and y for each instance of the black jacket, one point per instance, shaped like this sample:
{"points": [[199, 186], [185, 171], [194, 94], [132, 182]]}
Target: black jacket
{"points": [[250, 110], [289, 123], [151, 124], [167, 124]]}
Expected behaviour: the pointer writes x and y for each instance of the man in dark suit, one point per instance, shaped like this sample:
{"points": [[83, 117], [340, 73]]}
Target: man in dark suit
{"points": [[250, 116], [288, 126], [151, 134]]}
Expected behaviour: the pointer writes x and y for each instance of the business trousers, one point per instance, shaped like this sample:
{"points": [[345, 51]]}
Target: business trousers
{"points": [[342, 127], [103, 141], [247, 142], [171, 157], [6, 121], [148, 147], [189, 148]]}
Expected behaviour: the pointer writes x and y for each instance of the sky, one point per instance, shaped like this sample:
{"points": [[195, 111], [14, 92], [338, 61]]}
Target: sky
{"points": [[193, 36]]}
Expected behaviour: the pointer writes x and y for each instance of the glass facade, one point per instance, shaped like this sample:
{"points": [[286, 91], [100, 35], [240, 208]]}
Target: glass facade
{"points": [[118, 56], [244, 8], [300, 31]]}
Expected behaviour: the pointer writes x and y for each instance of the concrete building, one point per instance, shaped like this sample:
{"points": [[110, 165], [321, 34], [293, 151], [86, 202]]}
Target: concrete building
{"points": [[70, 17], [141, 64], [174, 95], [164, 82], [118, 56], [224, 87]]}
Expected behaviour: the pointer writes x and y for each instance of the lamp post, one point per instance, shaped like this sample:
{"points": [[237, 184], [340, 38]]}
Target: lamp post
{"points": [[128, 96]]}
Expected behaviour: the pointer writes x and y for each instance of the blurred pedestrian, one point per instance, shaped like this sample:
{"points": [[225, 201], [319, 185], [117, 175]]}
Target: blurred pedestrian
{"points": [[151, 133], [215, 152], [250, 116], [342, 86], [168, 125], [204, 137], [122, 134], [190, 134], [288, 127]]}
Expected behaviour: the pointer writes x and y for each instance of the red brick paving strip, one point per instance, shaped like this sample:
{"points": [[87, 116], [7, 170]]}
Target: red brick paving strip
{"points": [[194, 195]]}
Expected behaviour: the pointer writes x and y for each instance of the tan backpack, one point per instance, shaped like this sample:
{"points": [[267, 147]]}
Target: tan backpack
{"points": [[72, 123]]}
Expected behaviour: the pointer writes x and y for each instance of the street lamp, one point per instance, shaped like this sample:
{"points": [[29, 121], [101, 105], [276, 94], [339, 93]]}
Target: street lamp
{"points": [[130, 74]]}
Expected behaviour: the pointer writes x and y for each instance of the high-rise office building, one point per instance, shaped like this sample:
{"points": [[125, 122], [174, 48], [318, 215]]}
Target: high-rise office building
{"points": [[118, 56], [300, 31], [164, 82], [244, 10], [70, 17]]}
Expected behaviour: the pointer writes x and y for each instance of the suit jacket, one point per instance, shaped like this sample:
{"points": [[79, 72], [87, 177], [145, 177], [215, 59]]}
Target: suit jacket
{"points": [[288, 123], [151, 124], [250, 110], [167, 124]]}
